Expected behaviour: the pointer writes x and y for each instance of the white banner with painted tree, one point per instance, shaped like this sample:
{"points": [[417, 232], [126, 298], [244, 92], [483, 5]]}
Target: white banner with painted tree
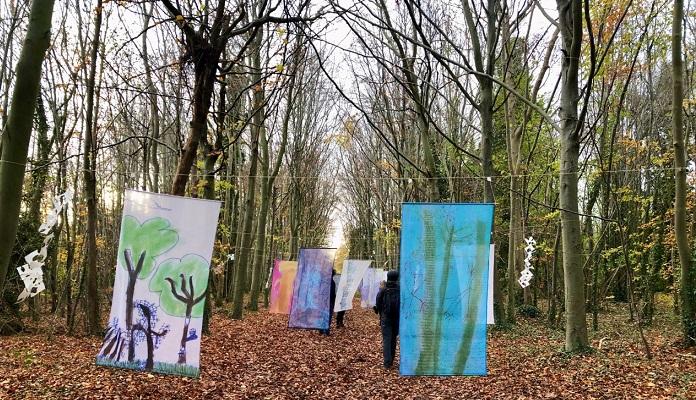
{"points": [[163, 261]]}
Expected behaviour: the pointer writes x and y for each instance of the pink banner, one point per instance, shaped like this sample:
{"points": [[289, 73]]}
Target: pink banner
{"points": [[283, 279]]}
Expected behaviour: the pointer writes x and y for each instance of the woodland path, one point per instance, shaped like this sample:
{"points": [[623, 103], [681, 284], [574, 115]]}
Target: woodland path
{"points": [[260, 358]]}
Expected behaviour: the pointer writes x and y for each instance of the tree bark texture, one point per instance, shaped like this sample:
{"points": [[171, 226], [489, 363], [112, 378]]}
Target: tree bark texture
{"points": [[688, 277], [90, 181], [15, 139], [570, 23]]}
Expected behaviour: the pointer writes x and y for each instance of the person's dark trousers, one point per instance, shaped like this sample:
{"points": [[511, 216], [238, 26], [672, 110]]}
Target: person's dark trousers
{"points": [[390, 331], [339, 319]]}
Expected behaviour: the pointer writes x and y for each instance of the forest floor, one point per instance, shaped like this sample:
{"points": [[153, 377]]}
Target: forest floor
{"points": [[260, 357]]}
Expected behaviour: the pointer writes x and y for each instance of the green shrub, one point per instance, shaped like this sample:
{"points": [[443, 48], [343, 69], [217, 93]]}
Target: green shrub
{"points": [[528, 311]]}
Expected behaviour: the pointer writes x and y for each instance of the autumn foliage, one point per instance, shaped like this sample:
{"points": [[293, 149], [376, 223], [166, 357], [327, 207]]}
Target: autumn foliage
{"points": [[259, 357]]}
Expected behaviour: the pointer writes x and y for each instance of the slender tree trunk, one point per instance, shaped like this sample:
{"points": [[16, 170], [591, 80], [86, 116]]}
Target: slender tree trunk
{"points": [[257, 254], [295, 222], [515, 230], [266, 190], [487, 137], [688, 277], [69, 261], [570, 22], [154, 111], [553, 293], [90, 184], [231, 209], [15, 138], [39, 176], [484, 60], [211, 153], [242, 262], [589, 250]]}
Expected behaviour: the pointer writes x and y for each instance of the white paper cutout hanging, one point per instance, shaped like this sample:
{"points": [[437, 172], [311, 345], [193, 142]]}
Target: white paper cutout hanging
{"points": [[31, 272], [526, 275], [691, 173]]}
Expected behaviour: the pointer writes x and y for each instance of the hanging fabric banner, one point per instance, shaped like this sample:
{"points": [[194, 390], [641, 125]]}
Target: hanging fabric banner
{"points": [[161, 281], [281, 289], [444, 288], [369, 286], [353, 271], [490, 317], [312, 289]]}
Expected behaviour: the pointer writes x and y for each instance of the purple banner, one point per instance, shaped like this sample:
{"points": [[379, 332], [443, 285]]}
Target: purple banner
{"points": [[312, 290]]}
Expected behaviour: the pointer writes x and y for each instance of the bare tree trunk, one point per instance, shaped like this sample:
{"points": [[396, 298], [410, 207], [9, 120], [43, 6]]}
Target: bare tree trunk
{"points": [[266, 201], [256, 258], [242, 263], [39, 176], [202, 93], [15, 138], [570, 23], [90, 178], [211, 153], [688, 277], [484, 61], [553, 304], [514, 145], [154, 111], [231, 209]]}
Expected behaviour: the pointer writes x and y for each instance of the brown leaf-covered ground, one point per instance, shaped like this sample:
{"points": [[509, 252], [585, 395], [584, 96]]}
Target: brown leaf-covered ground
{"points": [[260, 358]]}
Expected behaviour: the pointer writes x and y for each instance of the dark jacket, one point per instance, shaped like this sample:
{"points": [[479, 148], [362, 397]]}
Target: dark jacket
{"points": [[381, 296], [332, 296]]}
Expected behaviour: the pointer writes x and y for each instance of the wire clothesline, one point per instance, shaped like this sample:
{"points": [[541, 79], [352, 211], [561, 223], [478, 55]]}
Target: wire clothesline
{"points": [[276, 252], [319, 237], [414, 178]]}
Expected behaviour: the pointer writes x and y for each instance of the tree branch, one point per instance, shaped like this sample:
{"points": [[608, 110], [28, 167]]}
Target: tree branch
{"points": [[183, 287], [141, 261], [174, 291], [128, 256]]}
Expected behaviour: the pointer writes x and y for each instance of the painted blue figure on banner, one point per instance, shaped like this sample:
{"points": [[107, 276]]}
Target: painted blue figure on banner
{"points": [[310, 307]]}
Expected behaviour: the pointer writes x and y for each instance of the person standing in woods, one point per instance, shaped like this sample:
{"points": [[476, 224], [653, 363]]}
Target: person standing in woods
{"points": [[332, 302], [387, 306], [339, 314], [339, 319]]}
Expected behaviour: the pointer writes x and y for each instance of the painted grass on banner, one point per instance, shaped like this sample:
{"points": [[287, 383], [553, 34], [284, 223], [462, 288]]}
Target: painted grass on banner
{"points": [[312, 289], [351, 275], [161, 280], [444, 284], [281, 290]]}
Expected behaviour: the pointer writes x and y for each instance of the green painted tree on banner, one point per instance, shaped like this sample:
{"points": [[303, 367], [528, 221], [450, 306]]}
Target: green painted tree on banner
{"points": [[140, 245], [182, 284]]}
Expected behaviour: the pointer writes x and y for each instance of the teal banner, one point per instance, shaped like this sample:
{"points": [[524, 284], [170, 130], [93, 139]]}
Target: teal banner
{"points": [[444, 288]]}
